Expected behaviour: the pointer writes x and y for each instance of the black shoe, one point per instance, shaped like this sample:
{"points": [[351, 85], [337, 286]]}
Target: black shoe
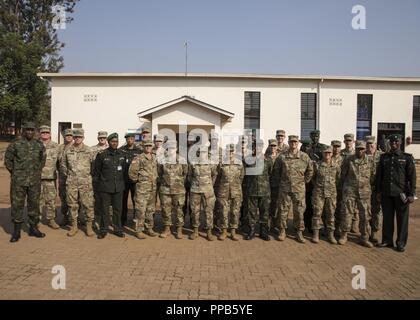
{"points": [[34, 232], [400, 248], [119, 234], [251, 234], [16, 233], [264, 232], [102, 235], [385, 245]]}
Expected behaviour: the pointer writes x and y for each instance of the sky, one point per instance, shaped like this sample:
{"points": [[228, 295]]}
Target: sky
{"points": [[241, 36]]}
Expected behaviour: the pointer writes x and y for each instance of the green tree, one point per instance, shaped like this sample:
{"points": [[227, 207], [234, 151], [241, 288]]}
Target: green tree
{"points": [[28, 44]]}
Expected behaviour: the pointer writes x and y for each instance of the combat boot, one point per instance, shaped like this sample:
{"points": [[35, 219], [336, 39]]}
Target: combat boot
{"points": [[210, 236], [151, 233], [233, 235], [16, 232], [331, 237], [73, 229], [282, 235], [315, 236], [264, 232], [223, 235], [299, 237], [343, 238], [140, 235], [374, 237], [89, 229], [366, 243], [194, 234], [52, 224], [166, 232], [179, 233], [34, 232], [251, 233]]}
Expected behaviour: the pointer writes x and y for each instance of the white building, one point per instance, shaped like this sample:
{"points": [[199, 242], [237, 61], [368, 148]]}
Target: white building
{"points": [[121, 102]]}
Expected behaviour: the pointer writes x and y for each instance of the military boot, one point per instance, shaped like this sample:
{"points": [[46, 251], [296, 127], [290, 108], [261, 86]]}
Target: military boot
{"points": [[374, 237], [52, 224], [194, 234], [210, 236], [166, 232], [251, 233], [179, 233], [73, 229], [34, 232], [331, 237], [299, 237], [315, 236], [223, 235], [233, 235], [343, 238], [150, 232], [282, 235], [264, 232], [16, 232], [89, 229], [366, 243], [140, 235]]}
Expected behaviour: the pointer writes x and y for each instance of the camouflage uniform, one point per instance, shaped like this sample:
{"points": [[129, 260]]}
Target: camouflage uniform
{"points": [[376, 221], [202, 177], [293, 171], [62, 181], [356, 177], [77, 167], [143, 170], [24, 159], [49, 181], [172, 178]]}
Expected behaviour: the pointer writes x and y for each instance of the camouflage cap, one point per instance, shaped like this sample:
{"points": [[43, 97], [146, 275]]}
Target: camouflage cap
{"points": [[294, 138], [370, 139], [67, 132], [148, 143], [129, 134], [395, 137], [327, 149], [315, 133], [78, 132], [43, 129], [336, 143], [272, 142], [159, 137], [113, 135], [280, 133], [102, 134], [349, 137], [29, 125], [360, 144]]}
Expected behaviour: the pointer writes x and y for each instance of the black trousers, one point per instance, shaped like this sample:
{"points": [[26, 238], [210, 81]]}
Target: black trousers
{"points": [[114, 200], [129, 188], [392, 206]]}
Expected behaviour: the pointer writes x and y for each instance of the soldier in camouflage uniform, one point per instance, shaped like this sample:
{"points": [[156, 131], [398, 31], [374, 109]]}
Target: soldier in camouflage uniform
{"points": [[357, 176], [215, 157], [229, 192], [324, 195], [202, 177], [376, 221], [143, 170], [258, 189], [294, 170], [102, 145], [172, 172], [68, 141], [337, 159], [272, 153], [24, 159], [77, 167], [145, 136], [271, 150], [49, 178], [282, 147]]}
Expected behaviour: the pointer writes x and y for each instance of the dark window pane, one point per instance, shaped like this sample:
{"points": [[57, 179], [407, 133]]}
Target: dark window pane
{"points": [[416, 120], [252, 110], [364, 115], [307, 114]]}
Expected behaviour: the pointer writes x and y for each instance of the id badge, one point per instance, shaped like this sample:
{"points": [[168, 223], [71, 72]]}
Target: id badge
{"points": [[119, 168]]}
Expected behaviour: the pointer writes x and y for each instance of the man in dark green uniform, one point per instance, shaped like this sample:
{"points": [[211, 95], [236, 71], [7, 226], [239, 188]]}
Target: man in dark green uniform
{"points": [[396, 188], [130, 151], [24, 159], [109, 174]]}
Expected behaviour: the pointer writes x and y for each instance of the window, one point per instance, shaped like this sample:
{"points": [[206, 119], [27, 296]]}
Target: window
{"points": [[252, 110], [364, 115], [416, 120], [77, 126], [307, 114]]}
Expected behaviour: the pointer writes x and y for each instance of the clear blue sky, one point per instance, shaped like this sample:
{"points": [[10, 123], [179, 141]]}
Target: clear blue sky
{"points": [[243, 36]]}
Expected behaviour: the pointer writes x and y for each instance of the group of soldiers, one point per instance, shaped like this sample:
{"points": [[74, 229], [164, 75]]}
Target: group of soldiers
{"points": [[241, 185]]}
